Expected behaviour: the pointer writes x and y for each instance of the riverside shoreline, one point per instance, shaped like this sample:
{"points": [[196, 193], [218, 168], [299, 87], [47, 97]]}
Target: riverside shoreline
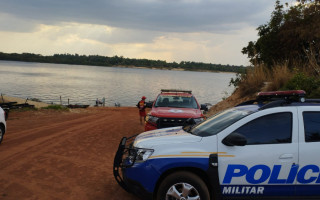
{"points": [[229, 102]]}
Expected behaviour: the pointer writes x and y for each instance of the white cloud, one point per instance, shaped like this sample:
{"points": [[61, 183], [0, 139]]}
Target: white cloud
{"points": [[107, 41], [174, 30]]}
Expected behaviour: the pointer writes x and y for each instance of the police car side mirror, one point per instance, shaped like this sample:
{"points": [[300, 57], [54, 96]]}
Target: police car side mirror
{"points": [[190, 121], [149, 104], [234, 139]]}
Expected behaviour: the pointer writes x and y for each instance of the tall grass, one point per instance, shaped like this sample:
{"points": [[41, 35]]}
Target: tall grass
{"points": [[281, 77], [278, 77], [253, 80]]}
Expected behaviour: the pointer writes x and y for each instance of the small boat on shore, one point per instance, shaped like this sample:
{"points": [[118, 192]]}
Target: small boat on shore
{"points": [[22, 105], [14, 105], [7, 104]]}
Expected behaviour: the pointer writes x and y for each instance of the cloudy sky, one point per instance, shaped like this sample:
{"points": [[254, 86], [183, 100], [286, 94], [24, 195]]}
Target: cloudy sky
{"points": [[210, 31]]}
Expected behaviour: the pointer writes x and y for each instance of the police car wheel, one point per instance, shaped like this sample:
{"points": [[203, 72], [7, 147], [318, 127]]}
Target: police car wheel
{"points": [[183, 186], [1, 134]]}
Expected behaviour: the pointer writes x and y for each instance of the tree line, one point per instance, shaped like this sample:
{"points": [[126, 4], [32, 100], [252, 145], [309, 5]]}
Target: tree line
{"points": [[97, 60]]}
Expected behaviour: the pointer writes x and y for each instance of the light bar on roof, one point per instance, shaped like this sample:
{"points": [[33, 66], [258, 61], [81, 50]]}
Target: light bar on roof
{"points": [[176, 90], [288, 93]]}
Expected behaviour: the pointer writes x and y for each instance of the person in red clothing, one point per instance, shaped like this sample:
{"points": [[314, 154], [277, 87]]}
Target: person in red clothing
{"points": [[142, 108]]}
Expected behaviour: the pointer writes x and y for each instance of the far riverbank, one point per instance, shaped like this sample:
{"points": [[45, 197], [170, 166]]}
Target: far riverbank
{"points": [[115, 61]]}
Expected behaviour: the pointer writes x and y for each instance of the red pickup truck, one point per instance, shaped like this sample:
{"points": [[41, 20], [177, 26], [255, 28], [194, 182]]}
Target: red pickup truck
{"points": [[172, 108]]}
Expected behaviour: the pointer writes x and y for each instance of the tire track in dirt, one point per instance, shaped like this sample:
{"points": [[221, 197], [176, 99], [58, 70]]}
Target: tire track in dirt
{"points": [[23, 135], [44, 142], [66, 160], [36, 135]]}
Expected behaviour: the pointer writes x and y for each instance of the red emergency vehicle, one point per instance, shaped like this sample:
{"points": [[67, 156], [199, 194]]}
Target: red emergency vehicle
{"points": [[172, 108]]}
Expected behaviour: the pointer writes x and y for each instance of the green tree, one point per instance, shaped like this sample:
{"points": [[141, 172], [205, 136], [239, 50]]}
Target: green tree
{"points": [[290, 35]]}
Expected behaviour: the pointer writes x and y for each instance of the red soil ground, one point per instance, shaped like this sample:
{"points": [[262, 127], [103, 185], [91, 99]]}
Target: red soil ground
{"points": [[49, 154]]}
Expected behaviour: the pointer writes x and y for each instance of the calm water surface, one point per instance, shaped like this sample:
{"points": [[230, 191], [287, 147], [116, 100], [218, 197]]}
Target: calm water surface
{"points": [[84, 84]]}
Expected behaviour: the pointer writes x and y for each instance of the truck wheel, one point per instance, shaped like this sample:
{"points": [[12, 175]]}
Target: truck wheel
{"points": [[183, 185], [1, 134]]}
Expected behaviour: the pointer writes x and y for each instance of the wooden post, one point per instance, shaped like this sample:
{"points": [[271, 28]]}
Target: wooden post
{"points": [[60, 101]]}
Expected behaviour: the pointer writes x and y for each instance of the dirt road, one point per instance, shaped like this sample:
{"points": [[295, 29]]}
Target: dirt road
{"points": [[64, 155]]}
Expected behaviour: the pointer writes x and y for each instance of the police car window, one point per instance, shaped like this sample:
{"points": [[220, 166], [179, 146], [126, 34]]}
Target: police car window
{"points": [[269, 129], [311, 126], [219, 122]]}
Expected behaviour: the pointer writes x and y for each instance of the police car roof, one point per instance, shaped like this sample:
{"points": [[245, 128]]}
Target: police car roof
{"points": [[249, 108], [305, 103], [255, 105]]}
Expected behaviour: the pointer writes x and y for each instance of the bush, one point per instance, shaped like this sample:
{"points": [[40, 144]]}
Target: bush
{"points": [[298, 76], [301, 81]]}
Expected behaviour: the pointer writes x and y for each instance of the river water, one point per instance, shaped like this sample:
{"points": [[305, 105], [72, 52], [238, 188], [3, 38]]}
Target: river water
{"points": [[84, 84]]}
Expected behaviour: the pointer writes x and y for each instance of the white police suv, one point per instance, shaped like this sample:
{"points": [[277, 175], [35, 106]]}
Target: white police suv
{"points": [[266, 148], [3, 118]]}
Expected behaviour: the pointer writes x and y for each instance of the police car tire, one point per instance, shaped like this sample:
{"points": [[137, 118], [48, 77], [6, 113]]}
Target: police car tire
{"points": [[183, 177], [1, 134]]}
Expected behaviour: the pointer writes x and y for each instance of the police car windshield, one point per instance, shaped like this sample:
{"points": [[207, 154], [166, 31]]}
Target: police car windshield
{"points": [[176, 101], [219, 122]]}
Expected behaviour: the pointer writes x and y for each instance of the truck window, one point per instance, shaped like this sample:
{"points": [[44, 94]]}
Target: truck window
{"points": [[311, 126], [269, 129], [176, 101]]}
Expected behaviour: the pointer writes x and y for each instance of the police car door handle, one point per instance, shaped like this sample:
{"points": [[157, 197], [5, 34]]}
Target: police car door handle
{"points": [[286, 156]]}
